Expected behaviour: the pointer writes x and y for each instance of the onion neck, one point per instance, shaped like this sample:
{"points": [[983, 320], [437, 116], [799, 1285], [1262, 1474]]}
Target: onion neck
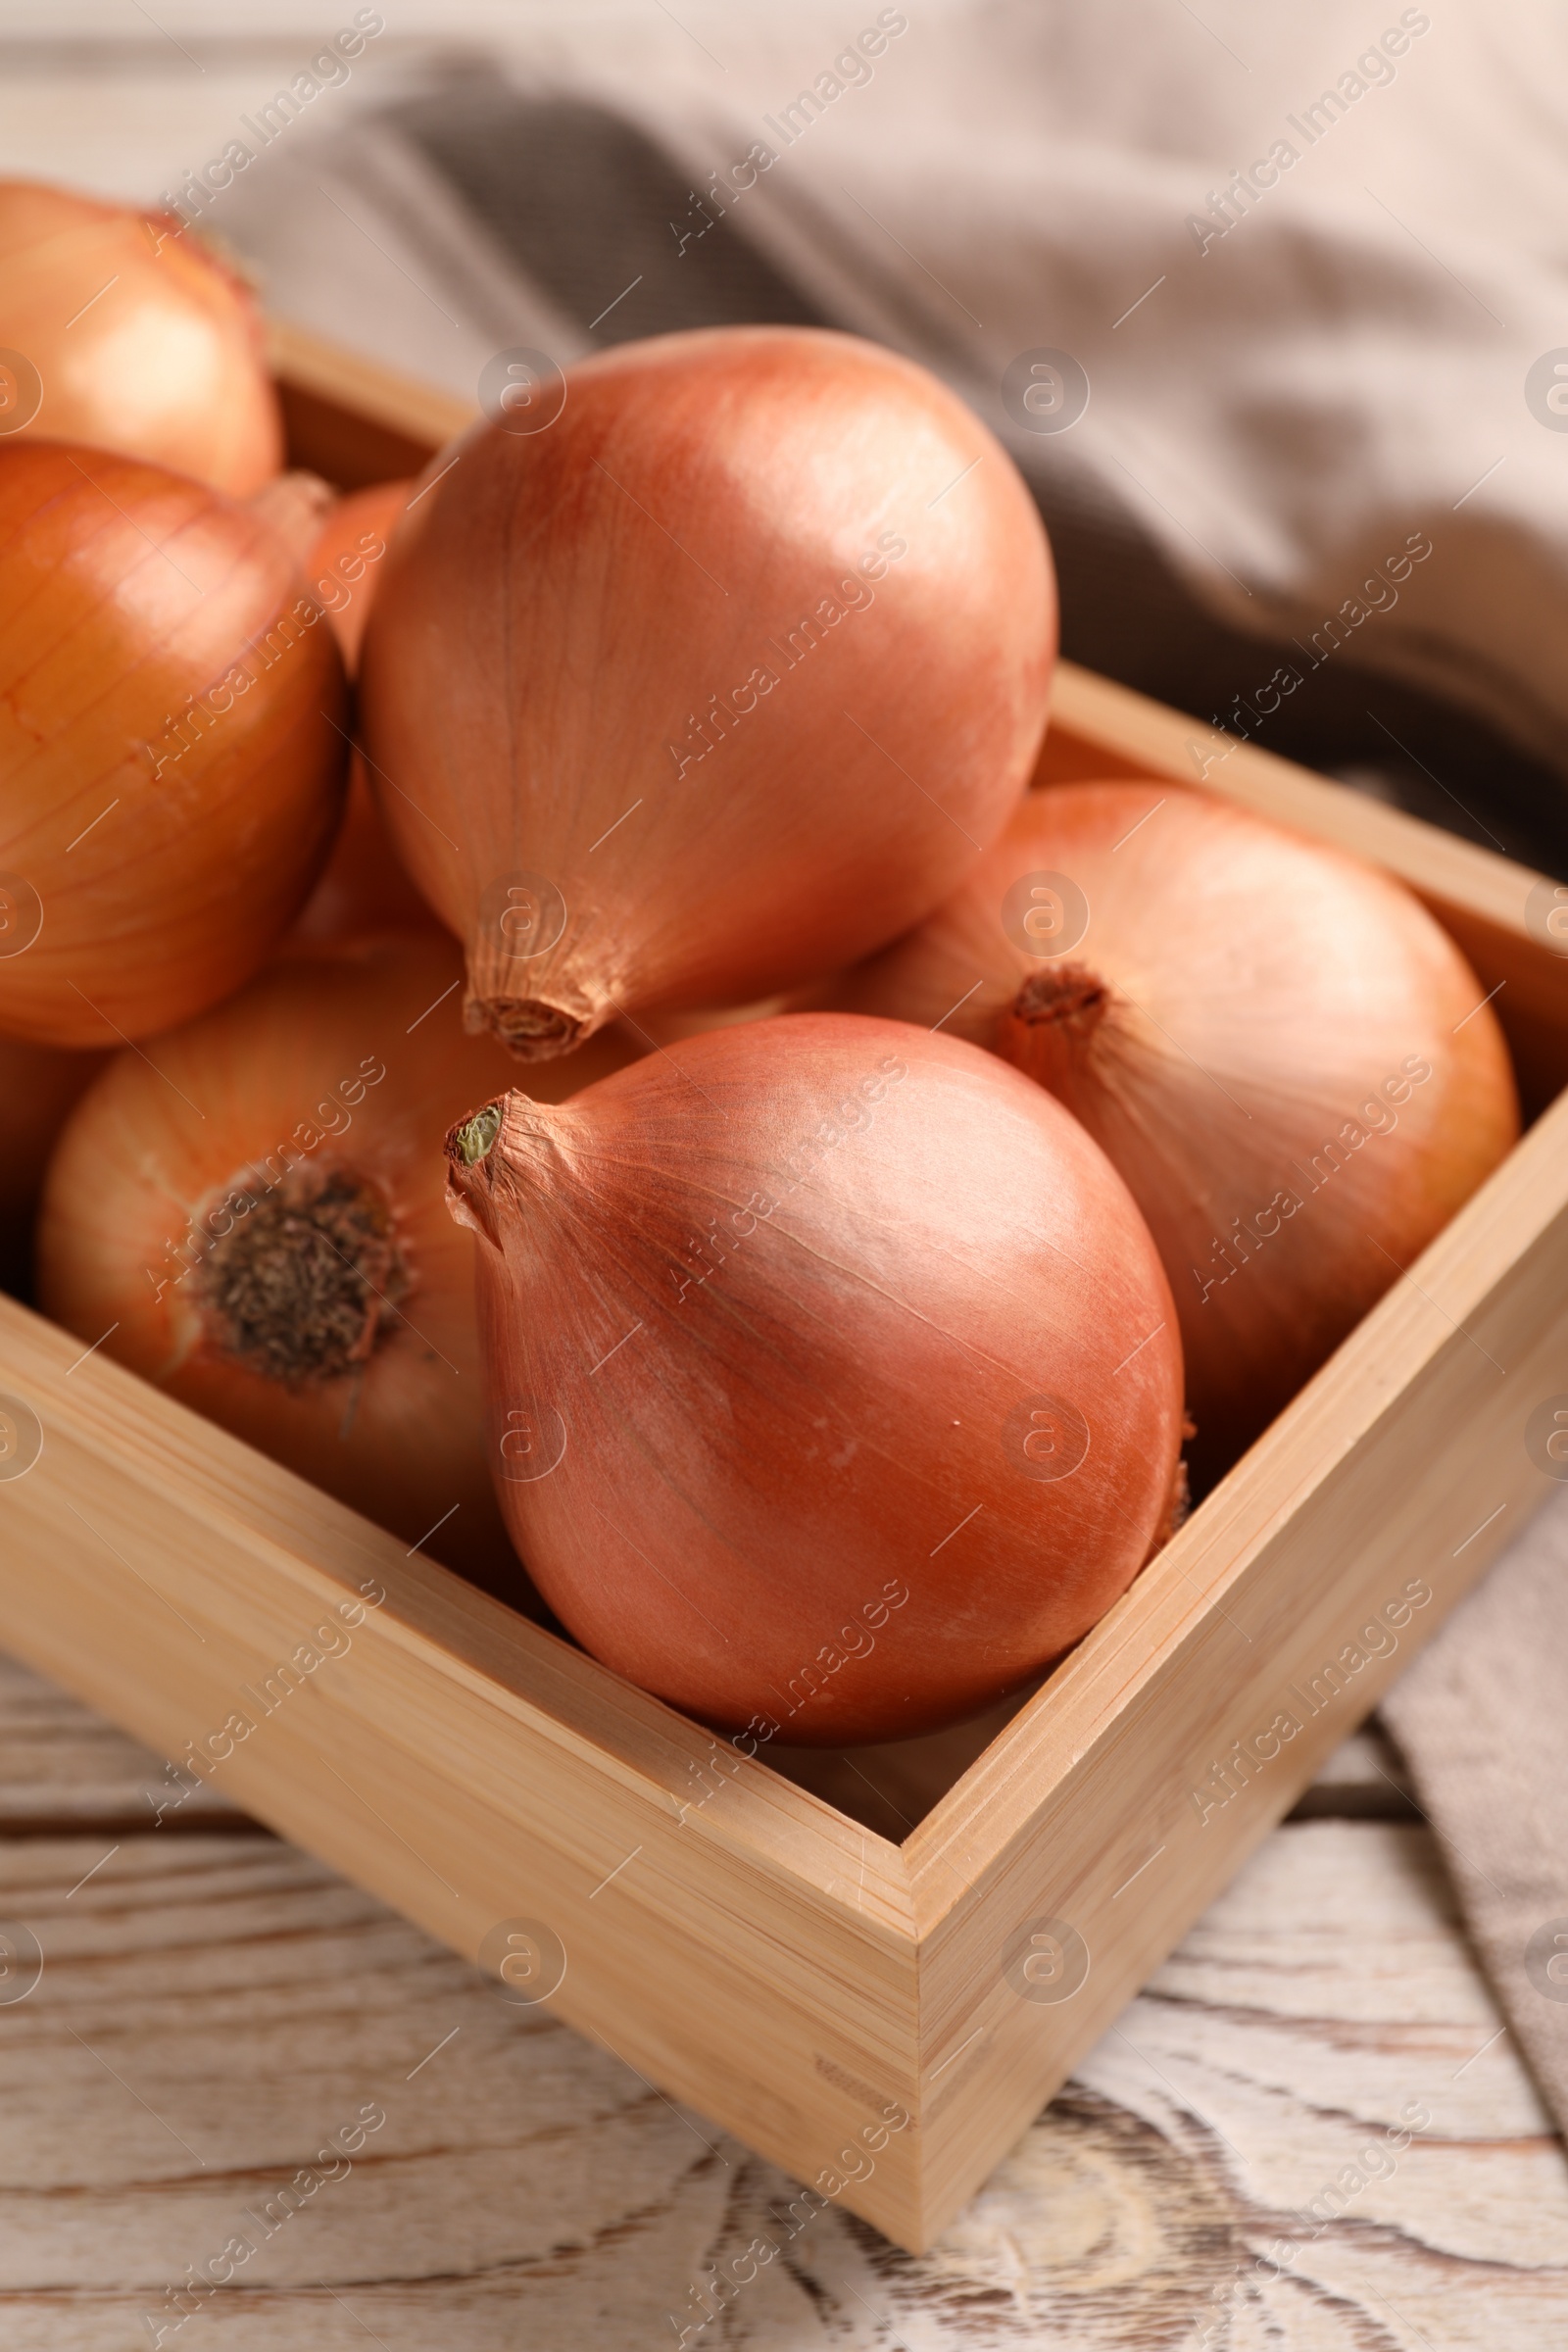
{"points": [[1055, 1015], [495, 1154], [303, 1286], [530, 1027]]}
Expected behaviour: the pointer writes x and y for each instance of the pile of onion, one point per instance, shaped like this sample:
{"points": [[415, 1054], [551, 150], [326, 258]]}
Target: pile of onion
{"points": [[364, 885], [832, 1375], [172, 743], [118, 328], [1289, 1060], [717, 680], [251, 1215], [829, 1373]]}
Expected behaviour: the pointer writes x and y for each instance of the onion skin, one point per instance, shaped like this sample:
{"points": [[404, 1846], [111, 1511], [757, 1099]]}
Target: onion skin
{"points": [[540, 652], [345, 562], [364, 886], [144, 341], [399, 1437], [161, 822], [1242, 999], [774, 1423]]}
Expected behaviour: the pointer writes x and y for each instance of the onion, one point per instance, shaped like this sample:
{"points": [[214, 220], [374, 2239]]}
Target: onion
{"points": [[831, 1373], [603, 754], [134, 337], [171, 745], [345, 561], [37, 1086], [296, 505], [1287, 1059], [252, 1219], [365, 885]]}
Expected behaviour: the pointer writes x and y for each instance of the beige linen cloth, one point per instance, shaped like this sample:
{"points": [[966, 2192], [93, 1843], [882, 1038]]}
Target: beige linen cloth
{"points": [[1281, 386]]}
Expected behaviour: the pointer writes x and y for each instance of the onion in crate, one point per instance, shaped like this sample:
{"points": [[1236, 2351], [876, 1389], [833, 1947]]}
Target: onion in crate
{"points": [[346, 557], [172, 743], [714, 681], [833, 1378], [123, 329], [251, 1215], [1287, 1058], [364, 885]]}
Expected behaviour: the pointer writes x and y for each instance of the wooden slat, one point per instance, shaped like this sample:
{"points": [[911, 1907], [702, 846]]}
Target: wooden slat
{"points": [[1405, 1457], [352, 420], [460, 1762]]}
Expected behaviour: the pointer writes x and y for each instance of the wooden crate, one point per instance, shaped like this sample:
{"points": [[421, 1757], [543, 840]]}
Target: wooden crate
{"points": [[881, 2017]]}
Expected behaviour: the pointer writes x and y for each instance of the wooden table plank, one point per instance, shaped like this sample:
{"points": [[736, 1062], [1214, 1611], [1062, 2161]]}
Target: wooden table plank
{"points": [[60, 1765], [213, 2006]]}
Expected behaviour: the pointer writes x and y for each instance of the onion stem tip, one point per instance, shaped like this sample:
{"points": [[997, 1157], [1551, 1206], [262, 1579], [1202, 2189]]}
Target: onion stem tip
{"points": [[476, 1135]]}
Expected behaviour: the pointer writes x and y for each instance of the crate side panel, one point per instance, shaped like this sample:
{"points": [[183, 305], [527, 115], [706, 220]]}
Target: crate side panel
{"points": [[729, 1936], [1149, 1817]]}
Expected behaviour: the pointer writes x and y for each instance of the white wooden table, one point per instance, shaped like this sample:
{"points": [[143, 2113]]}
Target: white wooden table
{"points": [[214, 2005]]}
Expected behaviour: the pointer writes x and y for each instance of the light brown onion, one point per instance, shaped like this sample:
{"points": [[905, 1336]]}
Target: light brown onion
{"points": [[716, 681], [832, 1377], [252, 1218], [133, 336], [296, 505], [173, 744], [364, 885], [1286, 1056], [345, 562]]}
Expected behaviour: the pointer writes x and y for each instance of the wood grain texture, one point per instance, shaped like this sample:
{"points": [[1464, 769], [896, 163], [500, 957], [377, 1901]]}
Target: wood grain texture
{"points": [[350, 420], [1107, 1776], [213, 2006]]}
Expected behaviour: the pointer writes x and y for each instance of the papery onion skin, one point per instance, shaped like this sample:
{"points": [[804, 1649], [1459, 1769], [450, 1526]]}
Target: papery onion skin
{"points": [[161, 822], [729, 1437], [1241, 999], [143, 341], [564, 676], [140, 1228], [38, 1085], [345, 562], [296, 505], [365, 885]]}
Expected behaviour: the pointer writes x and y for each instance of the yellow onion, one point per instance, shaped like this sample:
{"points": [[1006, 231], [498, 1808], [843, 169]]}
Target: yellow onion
{"points": [[173, 744], [720, 678], [345, 562], [251, 1217], [364, 885], [1289, 1060], [118, 328]]}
